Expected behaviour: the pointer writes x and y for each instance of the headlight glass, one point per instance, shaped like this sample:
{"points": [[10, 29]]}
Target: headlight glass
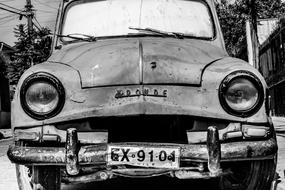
{"points": [[42, 97], [241, 95]]}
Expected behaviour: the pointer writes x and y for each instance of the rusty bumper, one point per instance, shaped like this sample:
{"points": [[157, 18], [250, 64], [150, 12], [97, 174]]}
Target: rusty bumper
{"points": [[74, 156]]}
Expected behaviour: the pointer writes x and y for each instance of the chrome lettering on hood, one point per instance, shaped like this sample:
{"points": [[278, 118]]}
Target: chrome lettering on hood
{"points": [[138, 92]]}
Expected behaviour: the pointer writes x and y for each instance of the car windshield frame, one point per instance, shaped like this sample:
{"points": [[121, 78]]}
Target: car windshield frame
{"points": [[75, 2]]}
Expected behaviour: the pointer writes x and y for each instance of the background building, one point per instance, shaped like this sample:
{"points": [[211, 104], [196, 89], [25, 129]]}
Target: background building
{"points": [[272, 67]]}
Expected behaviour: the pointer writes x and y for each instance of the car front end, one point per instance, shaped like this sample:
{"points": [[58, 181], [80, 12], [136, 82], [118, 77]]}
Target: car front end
{"points": [[142, 105]]}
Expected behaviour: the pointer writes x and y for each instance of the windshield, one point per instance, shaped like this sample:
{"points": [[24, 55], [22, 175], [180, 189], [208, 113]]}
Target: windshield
{"points": [[117, 17]]}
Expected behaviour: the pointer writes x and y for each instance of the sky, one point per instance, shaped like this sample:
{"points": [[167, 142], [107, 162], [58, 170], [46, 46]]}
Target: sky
{"points": [[45, 13]]}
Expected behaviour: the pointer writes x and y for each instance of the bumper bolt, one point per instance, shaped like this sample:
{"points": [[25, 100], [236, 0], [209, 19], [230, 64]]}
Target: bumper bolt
{"points": [[103, 175]]}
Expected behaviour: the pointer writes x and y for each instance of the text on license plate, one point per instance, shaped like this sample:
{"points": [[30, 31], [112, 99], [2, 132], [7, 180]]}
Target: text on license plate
{"points": [[166, 157]]}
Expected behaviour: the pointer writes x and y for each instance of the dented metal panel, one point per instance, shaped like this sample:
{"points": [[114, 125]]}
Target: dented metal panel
{"points": [[103, 63], [163, 61], [177, 62]]}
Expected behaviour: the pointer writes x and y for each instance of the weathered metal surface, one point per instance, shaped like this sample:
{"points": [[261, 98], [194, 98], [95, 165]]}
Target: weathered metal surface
{"points": [[93, 154], [103, 63], [39, 155], [256, 131], [172, 62], [180, 100], [214, 150], [27, 135], [140, 173], [233, 130], [176, 62], [132, 65], [50, 132], [185, 174], [71, 155], [97, 176], [97, 154]]}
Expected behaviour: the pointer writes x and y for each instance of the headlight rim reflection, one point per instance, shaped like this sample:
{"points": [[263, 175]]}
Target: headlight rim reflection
{"points": [[42, 77], [224, 86]]}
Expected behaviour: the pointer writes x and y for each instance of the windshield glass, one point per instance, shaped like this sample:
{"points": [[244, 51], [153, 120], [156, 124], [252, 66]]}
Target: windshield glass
{"points": [[114, 17]]}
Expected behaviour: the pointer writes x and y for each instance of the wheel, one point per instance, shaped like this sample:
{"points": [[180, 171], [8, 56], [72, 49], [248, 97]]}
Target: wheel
{"points": [[254, 175], [38, 177]]}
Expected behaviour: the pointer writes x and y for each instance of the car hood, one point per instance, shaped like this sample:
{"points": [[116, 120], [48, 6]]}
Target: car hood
{"points": [[139, 61]]}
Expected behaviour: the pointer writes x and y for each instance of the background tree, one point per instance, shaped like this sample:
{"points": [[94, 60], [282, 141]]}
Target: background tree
{"points": [[233, 16], [31, 50]]}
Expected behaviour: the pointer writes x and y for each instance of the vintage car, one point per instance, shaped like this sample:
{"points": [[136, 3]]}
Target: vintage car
{"points": [[141, 88]]}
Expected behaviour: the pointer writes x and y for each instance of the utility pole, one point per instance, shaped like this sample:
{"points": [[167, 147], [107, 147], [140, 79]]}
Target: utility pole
{"points": [[30, 15], [255, 34], [252, 37], [253, 15]]}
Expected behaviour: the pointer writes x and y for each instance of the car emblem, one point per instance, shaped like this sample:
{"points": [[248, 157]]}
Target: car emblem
{"points": [[139, 92]]}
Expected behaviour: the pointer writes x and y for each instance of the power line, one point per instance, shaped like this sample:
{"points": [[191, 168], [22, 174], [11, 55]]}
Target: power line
{"points": [[11, 15], [46, 5], [5, 21], [28, 13], [45, 11], [6, 1], [37, 22], [11, 7], [39, 28], [11, 11]]}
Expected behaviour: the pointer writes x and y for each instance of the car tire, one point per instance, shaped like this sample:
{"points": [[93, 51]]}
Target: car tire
{"points": [[254, 175], [38, 177]]}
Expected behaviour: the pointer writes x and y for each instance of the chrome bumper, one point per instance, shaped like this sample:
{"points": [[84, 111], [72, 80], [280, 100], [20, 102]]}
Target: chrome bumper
{"points": [[74, 156]]}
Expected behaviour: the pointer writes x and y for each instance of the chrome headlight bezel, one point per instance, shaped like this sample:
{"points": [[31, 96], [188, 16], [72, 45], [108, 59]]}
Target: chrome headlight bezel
{"points": [[46, 78], [241, 75]]}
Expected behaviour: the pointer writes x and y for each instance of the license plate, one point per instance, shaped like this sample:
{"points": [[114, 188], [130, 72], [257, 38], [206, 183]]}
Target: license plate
{"points": [[166, 157]]}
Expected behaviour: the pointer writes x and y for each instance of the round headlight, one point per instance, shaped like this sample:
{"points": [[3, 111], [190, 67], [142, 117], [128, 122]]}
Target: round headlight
{"points": [[241, 93], [42, 96]]}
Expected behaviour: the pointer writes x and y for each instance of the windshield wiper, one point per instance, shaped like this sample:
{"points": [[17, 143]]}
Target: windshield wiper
{"points": [[75, 36], [160, 32]]}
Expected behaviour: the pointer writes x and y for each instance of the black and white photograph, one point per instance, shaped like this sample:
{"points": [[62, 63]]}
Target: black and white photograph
{"points": [[142, 94]]}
